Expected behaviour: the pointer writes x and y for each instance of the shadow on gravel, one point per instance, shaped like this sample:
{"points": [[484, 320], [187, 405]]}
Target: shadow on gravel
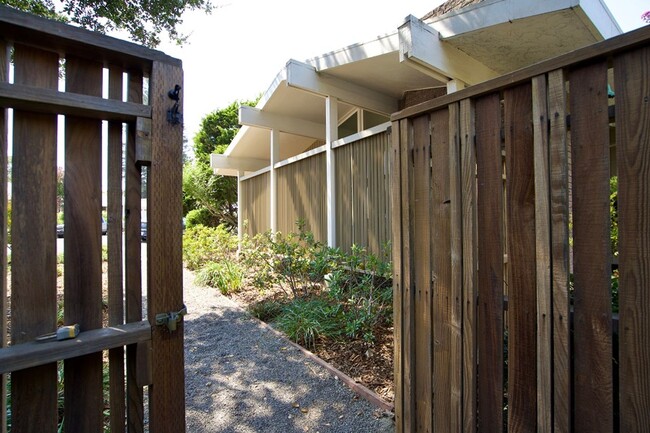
{"points": [[240, 377]]}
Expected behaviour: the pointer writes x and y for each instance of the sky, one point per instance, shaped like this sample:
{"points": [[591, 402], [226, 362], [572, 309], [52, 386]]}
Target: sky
{"points": [[234, 53]]}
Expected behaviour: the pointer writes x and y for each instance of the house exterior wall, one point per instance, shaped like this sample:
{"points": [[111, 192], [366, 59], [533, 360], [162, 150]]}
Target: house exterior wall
{"points": [[255, 204]]}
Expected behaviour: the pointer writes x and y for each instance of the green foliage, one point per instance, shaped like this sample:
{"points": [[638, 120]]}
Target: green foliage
{"points": [[307, 321], [227, 276], [266, 310], [197, 217], [202, 245], [144, 20], [213, 195]]}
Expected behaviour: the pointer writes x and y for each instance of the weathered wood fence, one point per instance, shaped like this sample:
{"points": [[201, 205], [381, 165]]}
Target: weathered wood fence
{"points": [[502, 252], [65, 77]]}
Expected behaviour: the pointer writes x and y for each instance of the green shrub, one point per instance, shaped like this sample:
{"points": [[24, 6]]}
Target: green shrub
{"points": [[202, 245], [307, 321], [197, 217], [227, 276], [266, 311]]}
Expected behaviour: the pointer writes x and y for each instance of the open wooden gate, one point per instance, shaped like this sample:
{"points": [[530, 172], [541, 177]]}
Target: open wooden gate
{"points": [[514, 309], [91, 92]]}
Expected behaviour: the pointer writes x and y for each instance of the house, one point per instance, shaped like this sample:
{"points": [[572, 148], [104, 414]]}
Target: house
{"points": [[317, 145]]}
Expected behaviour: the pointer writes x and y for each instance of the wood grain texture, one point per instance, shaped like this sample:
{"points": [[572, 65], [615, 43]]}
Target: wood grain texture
{"points": [[632, 72], [543, 255], [36, 353], [33, 294], [490, 263], [115, 268], [470, 263], [559, 196], [422, 296], [408, 319], [396, 210], [82, 249], [522, 303], [132, 262], [51, 101], [4, 74], [592, 263], [440, 238], [165, 266], [456, 273]]}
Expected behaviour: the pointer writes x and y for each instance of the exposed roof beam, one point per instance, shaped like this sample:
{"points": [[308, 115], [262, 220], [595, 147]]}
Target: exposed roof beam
{"points": [[251, 116], [223, 164], [421, 47], [303, 76]]}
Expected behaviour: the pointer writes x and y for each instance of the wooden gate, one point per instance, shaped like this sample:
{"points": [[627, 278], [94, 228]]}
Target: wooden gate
{"points": [[515, 309], [89, 92]]}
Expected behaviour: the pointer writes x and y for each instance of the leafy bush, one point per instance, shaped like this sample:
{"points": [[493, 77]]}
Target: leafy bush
{"points": [[265, 310], [307, 321], [202, 245], [227, 276], [197, 217]]}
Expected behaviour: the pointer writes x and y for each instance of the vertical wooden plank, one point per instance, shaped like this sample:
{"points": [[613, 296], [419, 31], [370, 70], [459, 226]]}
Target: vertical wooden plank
{"points": [[456, 273], [396, 210], [4, 75], [441, 270], [165, 266], [522, 304], [33, 294], [543, 253], [559, 181], [490, 263], [632, 72], [469, 263], [423, 386], [83, 267], [115, 271], [592, 262], [132, 263]]}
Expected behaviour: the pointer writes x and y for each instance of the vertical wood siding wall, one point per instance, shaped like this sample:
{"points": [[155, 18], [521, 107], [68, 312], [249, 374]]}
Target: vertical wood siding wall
{"points": [[555, 362], [37, 48], [302, 196], [256, 203], [363, 193]]}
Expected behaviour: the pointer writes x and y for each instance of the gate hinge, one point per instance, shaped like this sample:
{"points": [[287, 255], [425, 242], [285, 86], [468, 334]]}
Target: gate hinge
{"points": [[171, 319]]}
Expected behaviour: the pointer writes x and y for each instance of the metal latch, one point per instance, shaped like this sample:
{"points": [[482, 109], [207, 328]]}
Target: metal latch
{"points": [[171, 319]]}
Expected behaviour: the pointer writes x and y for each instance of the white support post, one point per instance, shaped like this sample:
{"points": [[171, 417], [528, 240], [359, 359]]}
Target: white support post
{"points": [[240, 217], [275, 158], [331, 134], [455, 86]]}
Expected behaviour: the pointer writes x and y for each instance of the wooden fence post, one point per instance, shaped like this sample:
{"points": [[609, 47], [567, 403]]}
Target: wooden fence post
{"points": [[164, 240]]}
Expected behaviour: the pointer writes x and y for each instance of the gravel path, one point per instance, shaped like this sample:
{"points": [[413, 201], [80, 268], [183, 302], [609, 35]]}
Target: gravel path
{"points": [[241, 377]]}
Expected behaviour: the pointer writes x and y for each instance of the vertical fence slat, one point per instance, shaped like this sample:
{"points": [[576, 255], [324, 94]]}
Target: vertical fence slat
{"points": [[33, 294], [632, 72], [490, 263], [396, 210], [593, 318], [164, 261], [132, 263], [408, 319], [470, 263], [543, 253], [559, 184], [441, 271], [522, 304], [83, 271], [456, 276], [4, 69], [115, 274], [423, 386]]}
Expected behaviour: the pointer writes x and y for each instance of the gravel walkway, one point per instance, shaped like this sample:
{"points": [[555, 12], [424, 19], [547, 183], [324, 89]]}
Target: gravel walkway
{"points": [[241, 377]]}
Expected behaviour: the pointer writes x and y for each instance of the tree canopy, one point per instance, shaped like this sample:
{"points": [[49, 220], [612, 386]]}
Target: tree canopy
{"points": [[144, 20]]}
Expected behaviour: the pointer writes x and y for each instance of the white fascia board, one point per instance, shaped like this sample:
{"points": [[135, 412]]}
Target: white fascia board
{"points": [[492, 12], [421, 47], [597, 17], [255, 117], [303, 76], [218, 161], [384, 44]]}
